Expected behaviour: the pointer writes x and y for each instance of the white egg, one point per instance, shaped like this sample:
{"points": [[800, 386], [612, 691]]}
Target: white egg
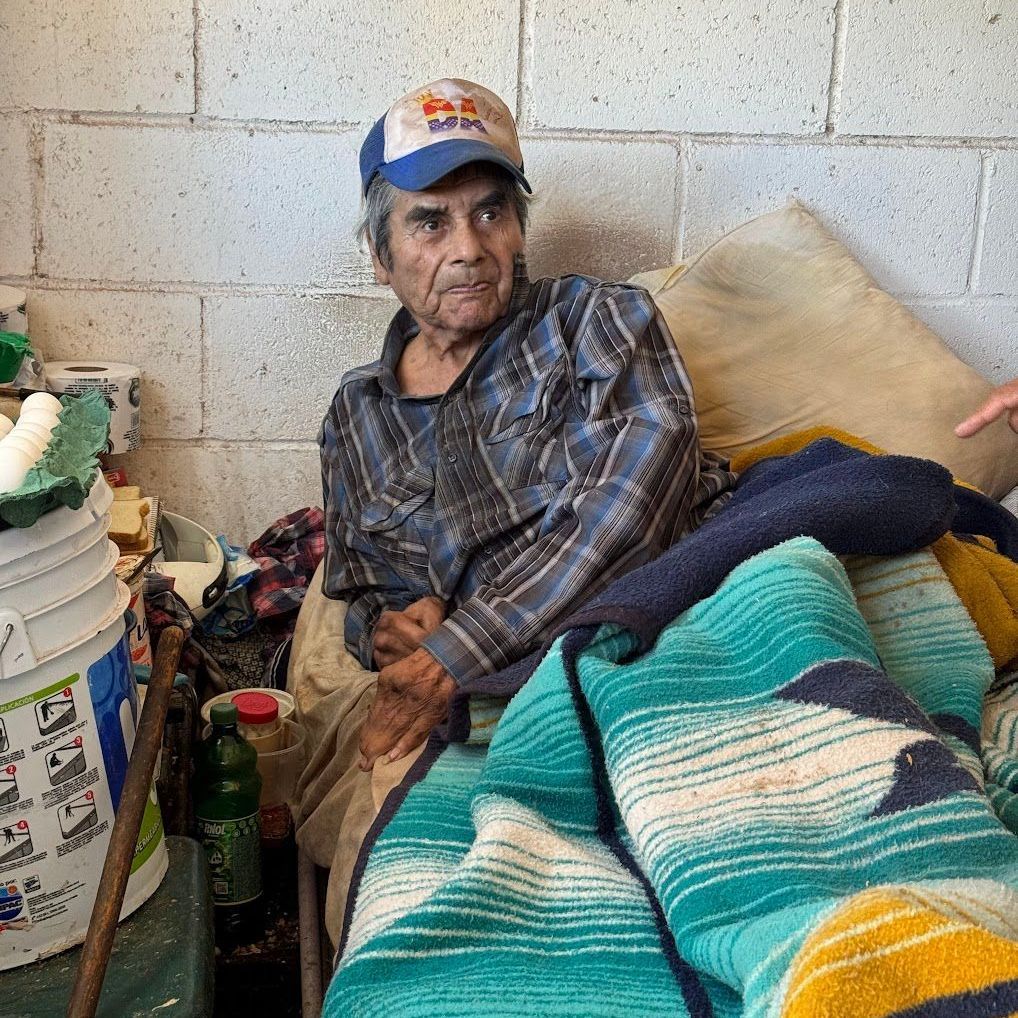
{"points": [[27, 443], [14, 464], [40, 415], [42, 399], [5, 425], [40, 431]]}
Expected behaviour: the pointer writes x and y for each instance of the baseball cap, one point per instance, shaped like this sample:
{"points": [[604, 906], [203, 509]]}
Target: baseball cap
{"points": [[433, 130]]}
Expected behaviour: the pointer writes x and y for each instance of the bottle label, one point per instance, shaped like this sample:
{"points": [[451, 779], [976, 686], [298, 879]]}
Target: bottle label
{"points": [[233, 851]]}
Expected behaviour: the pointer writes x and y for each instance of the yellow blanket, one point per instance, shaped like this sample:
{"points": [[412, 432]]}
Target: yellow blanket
{"points": [[986, 581]]}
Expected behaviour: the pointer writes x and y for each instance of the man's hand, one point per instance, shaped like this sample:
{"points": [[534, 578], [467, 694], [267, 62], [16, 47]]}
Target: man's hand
{"points": [[413, 696], [1003, 399], [399, 634]]}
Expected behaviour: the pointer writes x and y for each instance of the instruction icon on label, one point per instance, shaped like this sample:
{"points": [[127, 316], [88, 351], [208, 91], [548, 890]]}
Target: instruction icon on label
{"points": [[4, 742], [9, 785], [66, 761], [56, 712], [77, 815], [15, 841]]}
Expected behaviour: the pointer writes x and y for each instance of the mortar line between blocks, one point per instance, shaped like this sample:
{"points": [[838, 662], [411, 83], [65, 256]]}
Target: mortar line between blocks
{"points": [[681, 200], [195, 52], [36, 149], [203, 361], [197, 289], [837, 66], [987, 166], [522, 91], [203, 122], [212, 444]]}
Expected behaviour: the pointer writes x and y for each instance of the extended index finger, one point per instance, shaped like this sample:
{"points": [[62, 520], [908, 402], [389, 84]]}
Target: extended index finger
{"points": [[986, 414]]}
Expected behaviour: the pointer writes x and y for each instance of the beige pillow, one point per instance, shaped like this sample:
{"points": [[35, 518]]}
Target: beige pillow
{"points": [[782, 329]]}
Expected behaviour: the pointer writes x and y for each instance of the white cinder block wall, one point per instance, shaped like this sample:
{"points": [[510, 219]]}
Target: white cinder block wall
{"points": [[178, 180]]}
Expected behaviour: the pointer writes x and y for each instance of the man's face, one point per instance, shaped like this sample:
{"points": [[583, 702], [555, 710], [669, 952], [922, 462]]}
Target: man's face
{"points": [[452, 250]]}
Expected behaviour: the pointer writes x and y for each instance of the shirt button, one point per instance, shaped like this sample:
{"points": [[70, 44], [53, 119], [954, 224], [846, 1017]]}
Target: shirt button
{"points": [[451, 457], [685, 411]]}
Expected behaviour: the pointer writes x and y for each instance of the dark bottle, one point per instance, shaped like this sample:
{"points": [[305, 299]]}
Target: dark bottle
{"points": [[226, 791]]}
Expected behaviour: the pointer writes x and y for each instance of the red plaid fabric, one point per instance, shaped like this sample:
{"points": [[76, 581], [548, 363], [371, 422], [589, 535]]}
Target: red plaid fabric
{"points": [[288, 553]]}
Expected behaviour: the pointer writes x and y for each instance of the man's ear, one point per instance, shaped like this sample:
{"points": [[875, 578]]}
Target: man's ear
{"points": [[381, 272]]}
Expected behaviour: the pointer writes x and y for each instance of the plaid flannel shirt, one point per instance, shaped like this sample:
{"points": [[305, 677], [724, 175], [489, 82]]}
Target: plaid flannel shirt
{"points": [[565, 455]]}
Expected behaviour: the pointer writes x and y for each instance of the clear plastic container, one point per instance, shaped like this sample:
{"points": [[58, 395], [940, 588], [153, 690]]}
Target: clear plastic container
{"points": [[258, 717], [279, 771]]}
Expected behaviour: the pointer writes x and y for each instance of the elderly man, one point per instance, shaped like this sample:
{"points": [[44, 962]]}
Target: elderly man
{"points": [[517, 446]]}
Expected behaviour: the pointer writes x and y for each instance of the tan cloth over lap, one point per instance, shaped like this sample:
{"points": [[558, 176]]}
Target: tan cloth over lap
{"points": [[336, 801]]}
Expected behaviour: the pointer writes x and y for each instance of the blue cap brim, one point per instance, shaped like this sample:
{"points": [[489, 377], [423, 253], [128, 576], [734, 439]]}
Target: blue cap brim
{"points": [[426, 166]]}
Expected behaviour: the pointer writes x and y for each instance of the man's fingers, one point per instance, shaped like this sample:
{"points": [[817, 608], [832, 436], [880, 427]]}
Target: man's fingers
{"points": [[384, 658], [397, 624], [1012, 420], [417, 733], [381, 731], [413, 696], [417, 610], [428, 613], [396, 636], [390, 647]]}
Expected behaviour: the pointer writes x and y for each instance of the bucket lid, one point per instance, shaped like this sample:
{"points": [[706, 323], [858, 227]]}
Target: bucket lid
{"points": [[255, 708]]}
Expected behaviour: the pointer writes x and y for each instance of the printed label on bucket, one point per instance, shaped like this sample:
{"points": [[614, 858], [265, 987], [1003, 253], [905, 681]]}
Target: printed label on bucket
{"points": [[64, 745], [233, 849]]}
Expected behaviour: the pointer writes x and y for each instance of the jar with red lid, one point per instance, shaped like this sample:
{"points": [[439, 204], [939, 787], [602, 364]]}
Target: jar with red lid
{"points": [[258, 717]]}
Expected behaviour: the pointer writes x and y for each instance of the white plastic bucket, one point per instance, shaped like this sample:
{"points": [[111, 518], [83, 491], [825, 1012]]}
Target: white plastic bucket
{"points": [[56, 540], [36, 591], [60, 624], [68, 715]]}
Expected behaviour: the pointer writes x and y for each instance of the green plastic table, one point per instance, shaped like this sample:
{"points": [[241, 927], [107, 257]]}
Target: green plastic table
{"points": [[163, 960]]}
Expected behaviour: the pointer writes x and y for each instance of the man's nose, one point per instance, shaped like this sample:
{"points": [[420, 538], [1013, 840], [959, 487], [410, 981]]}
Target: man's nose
{"points": [[467, 247]]}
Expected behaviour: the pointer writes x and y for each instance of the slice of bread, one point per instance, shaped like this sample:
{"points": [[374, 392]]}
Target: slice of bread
{"points": [[128, 523]]}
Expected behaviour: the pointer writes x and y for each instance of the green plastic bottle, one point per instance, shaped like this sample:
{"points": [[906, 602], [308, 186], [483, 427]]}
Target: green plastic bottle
{"points": [[226, 792]]}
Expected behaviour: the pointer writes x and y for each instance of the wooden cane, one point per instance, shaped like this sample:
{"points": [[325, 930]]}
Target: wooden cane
{"points": [[102, 927]]}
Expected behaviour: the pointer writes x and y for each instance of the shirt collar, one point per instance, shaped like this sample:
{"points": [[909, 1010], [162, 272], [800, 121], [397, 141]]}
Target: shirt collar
{"points": [[403, 328]]}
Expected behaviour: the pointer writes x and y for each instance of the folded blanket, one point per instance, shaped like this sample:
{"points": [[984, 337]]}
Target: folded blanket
{"points": [[734, 786], [752, 818]]}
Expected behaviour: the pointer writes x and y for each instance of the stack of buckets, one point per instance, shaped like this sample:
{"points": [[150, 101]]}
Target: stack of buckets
{"points": [[68, 715]]}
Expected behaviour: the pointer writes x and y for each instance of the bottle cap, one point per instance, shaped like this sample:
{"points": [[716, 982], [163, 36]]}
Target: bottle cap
{"points": [[256, 708], [223, 714]]}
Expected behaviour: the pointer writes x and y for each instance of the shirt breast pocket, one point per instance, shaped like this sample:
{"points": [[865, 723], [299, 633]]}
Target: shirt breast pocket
{"points": [[398, 521], [522, 438]]}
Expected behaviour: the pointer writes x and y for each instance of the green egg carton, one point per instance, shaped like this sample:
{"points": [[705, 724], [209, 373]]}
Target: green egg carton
{"points": [[69, 466], [14, 348]]}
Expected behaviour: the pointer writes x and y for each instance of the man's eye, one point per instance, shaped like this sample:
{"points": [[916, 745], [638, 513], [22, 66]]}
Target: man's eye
{"points": [[489, 215], [430, 225]]}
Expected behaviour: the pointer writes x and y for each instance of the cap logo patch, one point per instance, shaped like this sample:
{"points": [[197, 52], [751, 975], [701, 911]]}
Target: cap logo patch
{"points": [[440, 114]]}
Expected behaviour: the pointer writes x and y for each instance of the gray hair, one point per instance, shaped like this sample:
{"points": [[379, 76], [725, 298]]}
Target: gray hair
{"points": [[381, 200]]}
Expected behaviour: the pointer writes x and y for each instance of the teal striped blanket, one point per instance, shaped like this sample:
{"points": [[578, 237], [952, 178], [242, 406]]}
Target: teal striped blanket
{"points": [[782, 807]]}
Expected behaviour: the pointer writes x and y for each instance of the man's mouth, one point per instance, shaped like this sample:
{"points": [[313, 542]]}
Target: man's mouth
{"points": [[468, 288]]}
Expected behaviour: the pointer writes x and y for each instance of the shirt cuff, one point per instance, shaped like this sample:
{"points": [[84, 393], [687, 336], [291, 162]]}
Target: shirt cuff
{"points": [[474, 641]]}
